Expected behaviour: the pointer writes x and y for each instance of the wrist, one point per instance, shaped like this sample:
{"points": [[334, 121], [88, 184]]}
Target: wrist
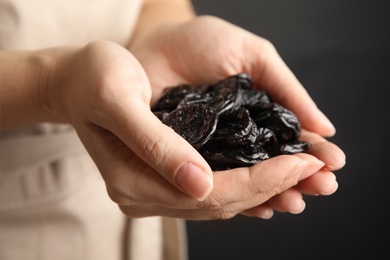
{"points": [[54, 63], [27, 87]]}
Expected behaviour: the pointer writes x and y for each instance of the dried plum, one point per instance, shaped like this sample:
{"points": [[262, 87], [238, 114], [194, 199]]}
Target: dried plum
{"points": [[290, 148], [235, 129], [283, 122], [195, 123], [231, 123], [233, 157]]}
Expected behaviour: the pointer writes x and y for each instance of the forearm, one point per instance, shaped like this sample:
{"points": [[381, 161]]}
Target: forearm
{"points": [[157, 12], [24, 76]]}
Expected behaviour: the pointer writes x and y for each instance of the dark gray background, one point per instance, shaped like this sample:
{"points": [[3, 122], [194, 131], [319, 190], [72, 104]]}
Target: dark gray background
{"points": [[340, 51]]}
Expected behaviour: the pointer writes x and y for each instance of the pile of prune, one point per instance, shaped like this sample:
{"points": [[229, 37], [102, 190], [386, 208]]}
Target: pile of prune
{"points": [[230, 123]]}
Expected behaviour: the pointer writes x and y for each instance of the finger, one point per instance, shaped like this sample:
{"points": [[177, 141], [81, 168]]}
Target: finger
{"points": [[288, 201], [329, 153], [273, 75], [244, 188], [141, 211], [263, 211], [129, 179], [321, 183], [163, 149], [291, 200], [235, 191]]}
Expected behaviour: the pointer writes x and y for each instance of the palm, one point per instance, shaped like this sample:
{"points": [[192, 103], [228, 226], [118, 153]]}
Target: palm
{"points": [[189, 54]]}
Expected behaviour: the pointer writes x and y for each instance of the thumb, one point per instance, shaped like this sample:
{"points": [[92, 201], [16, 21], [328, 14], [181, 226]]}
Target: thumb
{"points": [[165, 151]]}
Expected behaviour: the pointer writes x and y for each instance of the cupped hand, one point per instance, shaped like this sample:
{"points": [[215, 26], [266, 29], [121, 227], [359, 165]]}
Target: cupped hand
{"points": [[104, 93], [148, 169], [208, 49]]}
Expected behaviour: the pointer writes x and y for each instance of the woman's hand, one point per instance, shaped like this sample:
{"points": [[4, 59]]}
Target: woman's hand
{"points": [[104, 93], [149, 169], [208, 49]]}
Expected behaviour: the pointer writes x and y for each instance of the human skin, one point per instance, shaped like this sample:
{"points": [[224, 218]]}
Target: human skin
{"points": [[105, 93], [208, 49]]}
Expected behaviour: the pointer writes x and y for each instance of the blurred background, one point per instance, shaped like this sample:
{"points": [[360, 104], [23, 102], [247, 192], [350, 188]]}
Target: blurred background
{"points": [[340, 51]]}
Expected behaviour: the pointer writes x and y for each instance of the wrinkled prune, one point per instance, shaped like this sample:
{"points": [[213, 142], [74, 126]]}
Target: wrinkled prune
{"points": [[233, 157], [173, 96], [195, 123], [277, 118], [235, 129], [231, 123]]}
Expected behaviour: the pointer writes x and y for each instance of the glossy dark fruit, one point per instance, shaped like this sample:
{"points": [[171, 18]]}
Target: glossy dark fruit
{"points": [[236, 129], [277, 118], [233, 157], [231, 123], [195, 123]]}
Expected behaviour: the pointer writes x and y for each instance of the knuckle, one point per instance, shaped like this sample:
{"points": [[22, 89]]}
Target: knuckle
{"points": [[267, 45], [134, 212], [217, 209], [121, 198], [276, 190], [211, 203], [155, 147], [225, 215]]}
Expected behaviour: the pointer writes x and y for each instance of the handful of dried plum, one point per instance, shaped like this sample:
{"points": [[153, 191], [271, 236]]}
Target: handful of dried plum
{"points": [[230, 123]]}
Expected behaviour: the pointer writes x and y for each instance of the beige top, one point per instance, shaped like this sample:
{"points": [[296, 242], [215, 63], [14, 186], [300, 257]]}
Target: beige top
{"points": [[45, 23], [54, 203]]}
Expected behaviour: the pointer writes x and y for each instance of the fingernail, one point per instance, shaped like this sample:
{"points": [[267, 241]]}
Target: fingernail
{"points": [[195, 181], [266, 214], [332, 189], [299, 207]]}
